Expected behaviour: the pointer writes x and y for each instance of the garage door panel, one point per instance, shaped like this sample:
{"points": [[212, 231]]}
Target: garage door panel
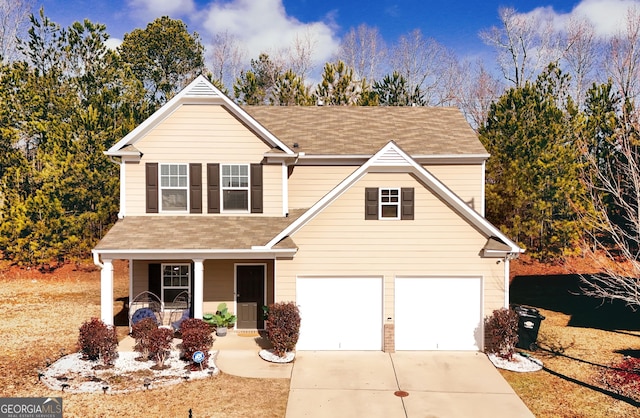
{"points": [[438, 313], [356, 302]]}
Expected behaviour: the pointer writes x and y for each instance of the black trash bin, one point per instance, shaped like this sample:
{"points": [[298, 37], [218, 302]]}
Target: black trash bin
{"points": [[529, 320]]}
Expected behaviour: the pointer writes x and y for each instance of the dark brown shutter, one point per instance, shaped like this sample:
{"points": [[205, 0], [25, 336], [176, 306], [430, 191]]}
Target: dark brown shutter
{"points": [[371, 203], [155, 279], [213, 188], [406, 204], [152, 187], [195, 188], [256, 188]]}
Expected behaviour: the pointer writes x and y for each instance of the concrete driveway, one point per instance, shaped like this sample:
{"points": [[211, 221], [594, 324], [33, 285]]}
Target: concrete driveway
{"points": [[363, 384]]}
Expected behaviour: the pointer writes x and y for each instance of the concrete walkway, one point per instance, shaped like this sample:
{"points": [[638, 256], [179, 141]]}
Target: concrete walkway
{"points": [[437, 384]]}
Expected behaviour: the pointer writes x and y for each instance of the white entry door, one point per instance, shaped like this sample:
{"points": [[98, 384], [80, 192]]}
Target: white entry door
{"points": [[340, 313], [438, 313]]}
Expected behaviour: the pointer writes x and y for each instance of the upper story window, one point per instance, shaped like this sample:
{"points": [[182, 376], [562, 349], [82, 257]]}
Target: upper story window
{"points": [[389, 202], [174, 187], [235, 187]]}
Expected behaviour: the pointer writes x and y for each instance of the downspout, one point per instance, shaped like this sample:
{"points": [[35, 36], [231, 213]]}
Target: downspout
{"points": [[121, 212], [96, 260]]}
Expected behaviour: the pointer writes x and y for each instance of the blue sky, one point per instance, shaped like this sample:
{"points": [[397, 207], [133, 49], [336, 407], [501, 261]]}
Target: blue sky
{"points": [[266, 24]]}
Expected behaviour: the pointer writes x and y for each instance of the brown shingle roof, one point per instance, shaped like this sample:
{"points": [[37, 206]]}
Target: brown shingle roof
{"points": [[197, 232], [363, 130]]}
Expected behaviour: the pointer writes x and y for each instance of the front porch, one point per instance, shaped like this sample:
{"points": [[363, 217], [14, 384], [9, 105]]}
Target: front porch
{"points": [[197, 285]]}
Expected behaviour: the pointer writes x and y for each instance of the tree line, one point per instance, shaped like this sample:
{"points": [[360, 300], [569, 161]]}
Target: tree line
{"points": [[561, 128]]}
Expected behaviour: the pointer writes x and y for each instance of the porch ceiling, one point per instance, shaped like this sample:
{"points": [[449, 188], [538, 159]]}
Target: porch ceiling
{"points": [[195, 232]]}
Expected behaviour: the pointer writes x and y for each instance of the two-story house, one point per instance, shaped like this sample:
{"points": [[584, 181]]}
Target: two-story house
{"points": [[369, 218]]}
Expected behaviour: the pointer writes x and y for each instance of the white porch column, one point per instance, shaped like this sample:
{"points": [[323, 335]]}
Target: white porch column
{"points": [[106, 292], [198, 288], [506, 282]]}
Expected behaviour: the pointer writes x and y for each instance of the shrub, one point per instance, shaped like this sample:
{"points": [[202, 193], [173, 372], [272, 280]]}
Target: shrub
{"points": [[193, 323], [98, 340], [141, 332], [196, 336], [283, 327], [159, 341], [501, 333]]}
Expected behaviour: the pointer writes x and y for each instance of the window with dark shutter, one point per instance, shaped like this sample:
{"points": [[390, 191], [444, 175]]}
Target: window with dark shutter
{"points": [[195, 188], [213, 188], [371, 203], [407, 203], [151, 175], [256, 188]]}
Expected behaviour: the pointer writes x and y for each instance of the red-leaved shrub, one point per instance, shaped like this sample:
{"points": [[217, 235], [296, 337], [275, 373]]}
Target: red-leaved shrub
{"points": [[193, 323], [141, 332], [159, 344], [196, 336], [283, 327], [98, 341], [501, 333]]}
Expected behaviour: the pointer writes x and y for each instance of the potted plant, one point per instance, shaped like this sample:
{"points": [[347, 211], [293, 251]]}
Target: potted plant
{"points": [[223, 319]]}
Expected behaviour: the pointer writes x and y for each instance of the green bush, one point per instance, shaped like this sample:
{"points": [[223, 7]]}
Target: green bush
{"points": [[501, 333], [283, 327], [98, 341], [141, 332]]}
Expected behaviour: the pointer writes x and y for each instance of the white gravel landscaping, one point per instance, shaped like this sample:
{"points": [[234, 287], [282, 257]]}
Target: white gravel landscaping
{"points": [[519, 363], [127, 374]]}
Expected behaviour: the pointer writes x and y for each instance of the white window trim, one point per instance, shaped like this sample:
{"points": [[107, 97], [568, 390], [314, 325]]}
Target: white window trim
{"points": [[163, 287], [223, 189], [161, 188], [396, 204]]}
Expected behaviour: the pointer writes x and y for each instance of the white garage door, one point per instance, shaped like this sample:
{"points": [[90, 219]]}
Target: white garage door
{"points": [[340, 313], [438, 313]]}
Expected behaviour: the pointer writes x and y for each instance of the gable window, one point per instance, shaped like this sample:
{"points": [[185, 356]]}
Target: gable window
{"points": [[173, 187], [389, 204], [176, 278], [235, 187]]}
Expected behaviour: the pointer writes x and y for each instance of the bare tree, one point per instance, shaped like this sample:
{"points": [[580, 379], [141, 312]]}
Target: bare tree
{"points": [[476, 91], [525, 45], [623, 58], [614, 221], [299, 55], [364, 50], [581, 53], [227, 57], [426, 65], [14, 21]]}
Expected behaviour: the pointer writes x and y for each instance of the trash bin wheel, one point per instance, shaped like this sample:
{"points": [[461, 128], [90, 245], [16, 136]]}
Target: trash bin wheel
{"points": [[533, 347]]}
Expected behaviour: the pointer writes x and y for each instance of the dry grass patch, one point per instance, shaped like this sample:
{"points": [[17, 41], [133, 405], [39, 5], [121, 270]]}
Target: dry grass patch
{"points": [[583, 337], [41, 315]]}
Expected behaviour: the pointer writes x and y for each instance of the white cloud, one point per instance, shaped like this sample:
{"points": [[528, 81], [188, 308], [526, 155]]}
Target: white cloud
{"points": [[113, 43], [608, 17], [264, 26], [151, 9]]}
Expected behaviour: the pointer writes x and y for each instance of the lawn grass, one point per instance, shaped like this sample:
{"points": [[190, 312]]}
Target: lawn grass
{"points": [[579, 339], [41, 315]]}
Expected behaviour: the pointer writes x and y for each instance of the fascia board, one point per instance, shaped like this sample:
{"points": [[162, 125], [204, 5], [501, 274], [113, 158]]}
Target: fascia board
{"points": [[162, 254]]}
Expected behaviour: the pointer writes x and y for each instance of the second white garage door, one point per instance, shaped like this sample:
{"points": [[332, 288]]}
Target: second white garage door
{"points": [[340, 313], [438, 313]]}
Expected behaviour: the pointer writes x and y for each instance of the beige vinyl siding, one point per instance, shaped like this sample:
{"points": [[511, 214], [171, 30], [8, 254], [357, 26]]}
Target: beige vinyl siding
{"points": [[464, 180], [201, 134], [219, 280], [339, 242], [307, 184]]}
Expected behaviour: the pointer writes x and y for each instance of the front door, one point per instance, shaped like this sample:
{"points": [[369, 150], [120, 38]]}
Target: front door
{"points": [[250, 296]]}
